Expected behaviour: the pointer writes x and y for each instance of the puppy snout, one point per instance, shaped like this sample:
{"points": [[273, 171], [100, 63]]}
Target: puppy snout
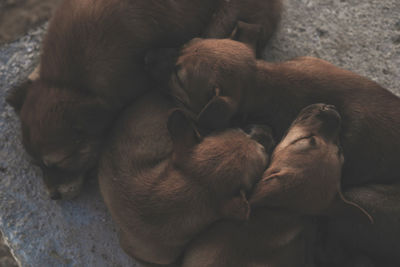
{"points": [[262, 134]]}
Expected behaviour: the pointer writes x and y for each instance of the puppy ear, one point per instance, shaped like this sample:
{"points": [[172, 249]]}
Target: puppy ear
{"points": [[217, 113], [183, 133], [16, 97], [248, 34], [344, 208], [237, 208]]}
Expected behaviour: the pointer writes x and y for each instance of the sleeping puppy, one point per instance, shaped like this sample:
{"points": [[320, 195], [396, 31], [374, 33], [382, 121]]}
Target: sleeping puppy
{"points": [[221, 81], [92, 66], [163, 183], [305, 171], [302, 179]]}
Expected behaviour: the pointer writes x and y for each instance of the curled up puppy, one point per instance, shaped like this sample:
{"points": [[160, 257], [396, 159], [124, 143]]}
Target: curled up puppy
{"points": [[303, 179], [222, 82], [163, 183], [92, 66]]}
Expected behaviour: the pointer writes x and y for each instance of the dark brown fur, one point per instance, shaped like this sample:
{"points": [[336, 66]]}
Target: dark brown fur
{"points": [[220, 79], [92, 66], [163, 183], [305, 171], [302, 179], [271, 238], [380, 240]]}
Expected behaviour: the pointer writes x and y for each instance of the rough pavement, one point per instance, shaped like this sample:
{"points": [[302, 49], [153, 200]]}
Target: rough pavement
{"points": [[361, 36]]}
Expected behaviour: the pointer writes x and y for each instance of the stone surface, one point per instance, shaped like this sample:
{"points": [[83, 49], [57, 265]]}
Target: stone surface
{"points": [[361, 36], [41, 232]]}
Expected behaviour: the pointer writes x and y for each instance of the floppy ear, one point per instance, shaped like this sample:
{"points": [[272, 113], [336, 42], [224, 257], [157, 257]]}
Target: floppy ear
{"points": [[16, 97], [183, 133], [217, 113], [248, 34], [237, 208], [342, 207]]}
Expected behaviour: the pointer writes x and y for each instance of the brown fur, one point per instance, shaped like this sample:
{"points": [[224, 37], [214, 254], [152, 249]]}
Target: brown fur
{"points": [[163, 183], [264, 13], [220, 79], [271, 238], [302, 179], [92, 66], [305, 171], [380, 240]]}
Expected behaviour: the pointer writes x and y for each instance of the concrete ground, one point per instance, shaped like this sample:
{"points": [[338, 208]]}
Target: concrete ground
{"points": [[18, 16], [361, 36]]}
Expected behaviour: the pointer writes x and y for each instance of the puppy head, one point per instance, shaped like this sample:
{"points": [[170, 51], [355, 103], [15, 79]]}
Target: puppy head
{"points": [[305, 170], [211, 77], [226, 164], [62, 131]]}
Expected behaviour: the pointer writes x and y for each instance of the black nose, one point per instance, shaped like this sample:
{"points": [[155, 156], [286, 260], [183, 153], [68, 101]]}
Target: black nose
{"points": [[55, 195], [262, 134]]}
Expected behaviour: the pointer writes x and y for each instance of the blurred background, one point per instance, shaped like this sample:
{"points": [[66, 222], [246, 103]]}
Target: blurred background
{"points": [[16, 18], [19, 16]]}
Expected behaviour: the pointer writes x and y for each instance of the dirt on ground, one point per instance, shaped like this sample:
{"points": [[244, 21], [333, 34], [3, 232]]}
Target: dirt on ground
{"points": [[19, 16]]}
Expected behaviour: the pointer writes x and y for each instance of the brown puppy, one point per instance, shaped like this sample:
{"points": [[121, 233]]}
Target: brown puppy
{"points": [[302, 179], [219, 79], [163, 184], [305, 170], [92, 66]]}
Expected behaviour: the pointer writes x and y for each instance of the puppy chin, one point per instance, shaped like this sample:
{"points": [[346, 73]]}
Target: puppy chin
{"points": [[257, 198], [266, 193], [68, 191]]}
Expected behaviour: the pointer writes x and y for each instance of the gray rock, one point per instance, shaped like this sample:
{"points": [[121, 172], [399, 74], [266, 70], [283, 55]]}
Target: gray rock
{"points": [[361, 36], [41, 232]]}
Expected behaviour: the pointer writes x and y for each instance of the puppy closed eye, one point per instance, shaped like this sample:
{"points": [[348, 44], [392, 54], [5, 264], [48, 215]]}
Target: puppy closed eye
{"points": [[305, 142]]}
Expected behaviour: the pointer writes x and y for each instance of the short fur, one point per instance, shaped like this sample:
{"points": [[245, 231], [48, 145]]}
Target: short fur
{"points": [[380, 241], [92, 66], [271, 238], [305, 171], [221, 79], [302, 179], [163, 184]]}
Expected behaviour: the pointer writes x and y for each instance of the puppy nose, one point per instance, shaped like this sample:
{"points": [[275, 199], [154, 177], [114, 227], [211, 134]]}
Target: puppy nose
{"points": [[262, 134], [55, 195]]}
